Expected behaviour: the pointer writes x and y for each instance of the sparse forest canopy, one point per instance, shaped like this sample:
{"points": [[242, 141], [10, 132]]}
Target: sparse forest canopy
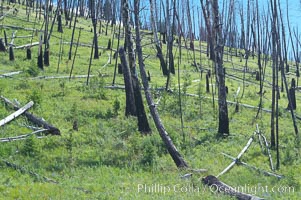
{"points": [[156, 99]]}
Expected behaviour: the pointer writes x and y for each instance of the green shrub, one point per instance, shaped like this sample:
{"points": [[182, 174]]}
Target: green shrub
{"points": [[30, 147], [36, 97], [33, 70]]}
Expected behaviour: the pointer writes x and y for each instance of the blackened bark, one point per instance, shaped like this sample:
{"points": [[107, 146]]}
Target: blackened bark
{"points": [[46, 57], [59, 21], [5, 38], [40, 55], [207, 83], [143, 125], [223, 126], [11, 53], [156, 39], [2, 46], [109, 45], [130, 108], [28, 54], [119, 69], [94, 23], [210, 30]]}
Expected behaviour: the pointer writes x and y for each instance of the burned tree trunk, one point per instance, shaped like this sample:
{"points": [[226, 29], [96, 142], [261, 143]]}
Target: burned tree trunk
{"points": [[292, 96], [143, 125], [40, 55], [11, 54], [140, 112], [28, 54], [223, 127], [94, 23], [59, 23], [130, 108], [176, 156], [210, 30], [157, 42], [2, 46], [46, 57]]}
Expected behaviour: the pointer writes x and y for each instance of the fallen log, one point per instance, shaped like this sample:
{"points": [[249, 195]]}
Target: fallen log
{"points": [[61, 77], [238, 157], [8, 75], [39, 122], [26, 46], [218, 186], [22, 137], [239, 162], [16, 114]]}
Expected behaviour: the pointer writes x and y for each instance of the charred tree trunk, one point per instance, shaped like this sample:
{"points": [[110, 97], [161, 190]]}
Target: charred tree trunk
{"points": [[28, 54], [143, 125], [223, 126], [130, 108], [11, 54], [94, 23], [2, 46], [210, 30], [157, 42]]}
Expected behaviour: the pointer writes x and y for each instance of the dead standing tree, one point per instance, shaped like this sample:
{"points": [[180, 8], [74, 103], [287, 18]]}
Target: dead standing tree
{"points": [[176, 156], [218, 41], [133, 91], [94, 23], [156, 39]]}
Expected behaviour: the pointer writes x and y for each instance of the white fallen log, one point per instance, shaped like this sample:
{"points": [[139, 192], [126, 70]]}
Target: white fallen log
{"points": [[22, 137], [16, 114], [238, 157], [61, 77], [10, 74], [38, 121], [26, 46]]}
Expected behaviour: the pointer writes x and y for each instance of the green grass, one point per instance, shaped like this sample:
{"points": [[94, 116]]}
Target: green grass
{"points": [[108, 158]]}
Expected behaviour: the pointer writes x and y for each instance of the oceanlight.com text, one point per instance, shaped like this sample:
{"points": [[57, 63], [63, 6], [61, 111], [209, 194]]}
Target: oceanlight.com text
{"points": [[191, 188]]}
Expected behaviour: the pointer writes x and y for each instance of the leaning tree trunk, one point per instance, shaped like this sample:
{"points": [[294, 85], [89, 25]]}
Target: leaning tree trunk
{"points": [[176, 156], [223, 126], [143, 125]]}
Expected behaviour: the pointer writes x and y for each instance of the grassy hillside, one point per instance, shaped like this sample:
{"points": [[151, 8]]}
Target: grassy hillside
{"points": [[107, 158]]}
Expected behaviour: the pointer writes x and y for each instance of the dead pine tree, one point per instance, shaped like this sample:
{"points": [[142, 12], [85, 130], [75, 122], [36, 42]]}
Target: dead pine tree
{"points": [[5, 38], [94, 23], [174, 153], [72, 36], [274, 70], [40, 55], [2, 46], [11, 53], [143, 125], [156, 39], [218, 41], [130, 108], [28, 54], [210, 30]]}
